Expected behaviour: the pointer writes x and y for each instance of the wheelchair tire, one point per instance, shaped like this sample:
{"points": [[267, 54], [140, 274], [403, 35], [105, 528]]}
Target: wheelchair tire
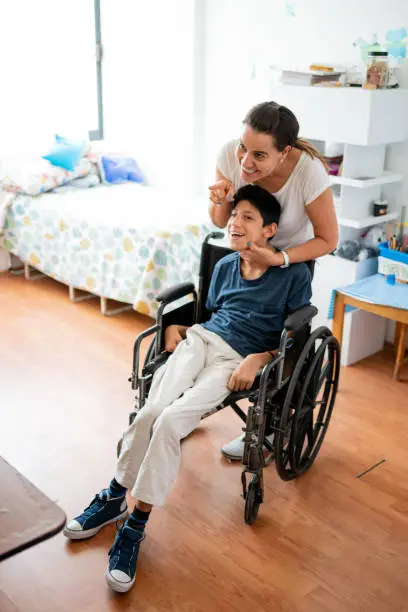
{"points": [[316, 401], [297, 415], [253, 499]]}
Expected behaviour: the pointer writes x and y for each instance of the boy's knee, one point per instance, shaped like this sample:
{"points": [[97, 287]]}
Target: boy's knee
{"points": [[166, 425], [145, 417]]}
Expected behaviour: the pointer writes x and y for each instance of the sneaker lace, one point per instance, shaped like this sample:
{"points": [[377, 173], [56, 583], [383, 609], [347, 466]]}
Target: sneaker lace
{"points": [[123, 544], [96, 504]]}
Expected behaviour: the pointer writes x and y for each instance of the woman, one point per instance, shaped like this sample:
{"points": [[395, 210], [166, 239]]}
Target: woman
{"points": [[271, 155]]}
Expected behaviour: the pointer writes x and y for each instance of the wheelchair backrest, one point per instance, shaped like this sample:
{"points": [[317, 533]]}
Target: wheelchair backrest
{"points": [[210, 255]]}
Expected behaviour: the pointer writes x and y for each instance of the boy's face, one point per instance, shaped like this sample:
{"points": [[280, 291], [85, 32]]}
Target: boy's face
{"points": [[246, 225]]}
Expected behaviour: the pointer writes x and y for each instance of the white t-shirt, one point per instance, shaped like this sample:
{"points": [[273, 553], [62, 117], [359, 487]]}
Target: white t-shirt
{"points": [[308, 180]]}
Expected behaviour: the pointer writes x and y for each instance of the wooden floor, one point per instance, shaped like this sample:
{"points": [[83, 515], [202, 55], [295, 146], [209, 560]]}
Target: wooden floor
{"points": [[327, 542]]}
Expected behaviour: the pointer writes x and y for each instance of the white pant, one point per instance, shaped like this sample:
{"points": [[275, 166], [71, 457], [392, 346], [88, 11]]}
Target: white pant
{"points": [[192, 381]]}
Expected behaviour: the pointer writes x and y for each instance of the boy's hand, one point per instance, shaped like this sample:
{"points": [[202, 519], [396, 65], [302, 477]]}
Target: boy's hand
{"points": [[244, 375], [222, 192], [173, 335]]}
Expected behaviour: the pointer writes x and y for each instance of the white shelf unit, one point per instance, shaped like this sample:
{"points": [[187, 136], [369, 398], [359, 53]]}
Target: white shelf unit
{"points": [[385, 179], [364, 333], [364, 122], [347, 114], [366, 222]]}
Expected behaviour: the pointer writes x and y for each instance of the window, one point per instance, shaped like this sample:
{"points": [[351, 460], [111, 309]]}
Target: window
{"points": [[49, 82]]}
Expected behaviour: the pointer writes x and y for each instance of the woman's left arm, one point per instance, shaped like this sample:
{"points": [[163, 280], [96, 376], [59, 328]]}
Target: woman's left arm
{"points": [[323, 218]]}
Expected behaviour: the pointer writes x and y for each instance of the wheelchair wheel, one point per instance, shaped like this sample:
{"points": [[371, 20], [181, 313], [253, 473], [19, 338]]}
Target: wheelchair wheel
{"points": [[316, 402], [308, 405], [253, 499]]}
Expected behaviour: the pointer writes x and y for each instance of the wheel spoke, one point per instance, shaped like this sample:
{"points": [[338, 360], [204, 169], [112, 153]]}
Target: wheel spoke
{"points": [[310, 433], [306, 431], [299, 443], [323, 376], [285, 457]]}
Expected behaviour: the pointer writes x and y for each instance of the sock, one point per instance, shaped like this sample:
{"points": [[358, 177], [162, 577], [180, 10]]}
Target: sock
{"points": [[138, 519], [115, 489]]}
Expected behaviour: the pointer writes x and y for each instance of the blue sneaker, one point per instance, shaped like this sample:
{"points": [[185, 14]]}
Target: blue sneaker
{"points": [[121, 571], [102, 510]]}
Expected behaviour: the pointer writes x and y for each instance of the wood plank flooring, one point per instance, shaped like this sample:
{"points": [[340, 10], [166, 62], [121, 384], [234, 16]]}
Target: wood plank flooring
{"points": [[329, 542]]}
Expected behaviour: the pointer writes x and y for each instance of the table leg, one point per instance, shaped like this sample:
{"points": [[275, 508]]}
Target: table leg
{"points": [[397, 335], [338, 319], [402, 328]]}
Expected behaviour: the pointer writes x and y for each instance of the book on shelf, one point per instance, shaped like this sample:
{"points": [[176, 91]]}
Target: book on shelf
{"points": [[309, 77]]}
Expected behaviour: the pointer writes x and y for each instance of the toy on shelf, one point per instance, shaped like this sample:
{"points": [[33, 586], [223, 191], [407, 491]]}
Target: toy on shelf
{"points": [[353, 250]]}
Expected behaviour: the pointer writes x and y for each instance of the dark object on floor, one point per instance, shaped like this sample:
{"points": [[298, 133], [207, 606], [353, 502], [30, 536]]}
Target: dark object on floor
{"points": [[27, 516]]}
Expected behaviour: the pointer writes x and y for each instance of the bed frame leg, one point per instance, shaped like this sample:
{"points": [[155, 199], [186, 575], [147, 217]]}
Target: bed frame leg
{"points": [[31, 273], [75, 297], [113, 311]]}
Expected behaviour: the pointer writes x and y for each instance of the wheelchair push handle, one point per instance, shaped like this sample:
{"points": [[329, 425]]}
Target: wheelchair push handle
{"points": [[213, 236]]}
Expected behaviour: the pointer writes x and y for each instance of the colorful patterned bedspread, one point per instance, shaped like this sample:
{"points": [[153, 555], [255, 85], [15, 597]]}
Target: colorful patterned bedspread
{"points": [[124, 242]]}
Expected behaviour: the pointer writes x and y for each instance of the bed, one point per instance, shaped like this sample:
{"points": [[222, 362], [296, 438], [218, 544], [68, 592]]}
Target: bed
{"points": [[124, 242]]}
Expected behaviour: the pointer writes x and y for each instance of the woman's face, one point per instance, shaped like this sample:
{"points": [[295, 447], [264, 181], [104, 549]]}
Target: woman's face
{"points": [[258, 155]]}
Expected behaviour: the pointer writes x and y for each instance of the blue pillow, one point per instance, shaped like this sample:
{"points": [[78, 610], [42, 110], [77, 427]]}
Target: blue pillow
{"points": [[65, 154], [120, 169]]}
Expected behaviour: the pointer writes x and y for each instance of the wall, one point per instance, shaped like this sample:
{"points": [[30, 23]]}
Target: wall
{"points": [[245, 38], [148, 84]]}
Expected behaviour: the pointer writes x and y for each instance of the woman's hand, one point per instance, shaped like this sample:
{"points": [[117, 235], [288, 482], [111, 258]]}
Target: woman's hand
{"points": [[222, 192], [263, 256], [244, 375], [173, 335]]}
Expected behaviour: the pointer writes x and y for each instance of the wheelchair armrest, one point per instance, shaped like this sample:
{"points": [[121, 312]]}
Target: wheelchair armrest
{"points": [[174, 293], [155, 363], [300, 318]]}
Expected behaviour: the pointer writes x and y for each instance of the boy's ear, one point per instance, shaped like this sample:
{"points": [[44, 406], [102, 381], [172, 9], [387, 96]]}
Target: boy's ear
{"points": [[270, 230]]}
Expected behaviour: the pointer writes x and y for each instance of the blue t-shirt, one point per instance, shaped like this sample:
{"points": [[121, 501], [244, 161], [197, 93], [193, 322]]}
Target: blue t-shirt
{"points": [[250, 314]]}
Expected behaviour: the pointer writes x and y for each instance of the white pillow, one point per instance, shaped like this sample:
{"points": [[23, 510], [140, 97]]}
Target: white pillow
{"points": [[34, 175]]}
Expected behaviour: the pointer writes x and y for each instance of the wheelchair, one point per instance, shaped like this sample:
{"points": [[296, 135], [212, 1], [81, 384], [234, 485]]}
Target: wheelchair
{"points": [[292, 397]]}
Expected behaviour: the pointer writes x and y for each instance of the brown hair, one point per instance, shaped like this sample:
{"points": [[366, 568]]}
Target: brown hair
{"points": [[280, 123]]}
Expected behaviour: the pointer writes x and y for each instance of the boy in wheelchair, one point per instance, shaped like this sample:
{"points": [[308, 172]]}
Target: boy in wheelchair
{"points": [[249, 304]]}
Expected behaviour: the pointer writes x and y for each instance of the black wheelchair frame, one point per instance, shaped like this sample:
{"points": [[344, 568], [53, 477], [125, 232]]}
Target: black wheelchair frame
{"points": [[293, 397]]}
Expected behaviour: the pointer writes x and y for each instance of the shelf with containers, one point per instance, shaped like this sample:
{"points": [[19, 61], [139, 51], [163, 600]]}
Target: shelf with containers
{"points": [[363, 123]]}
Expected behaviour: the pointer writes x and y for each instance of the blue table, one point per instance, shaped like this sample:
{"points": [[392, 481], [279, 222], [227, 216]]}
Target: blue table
{"points": [[374, 294]]}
